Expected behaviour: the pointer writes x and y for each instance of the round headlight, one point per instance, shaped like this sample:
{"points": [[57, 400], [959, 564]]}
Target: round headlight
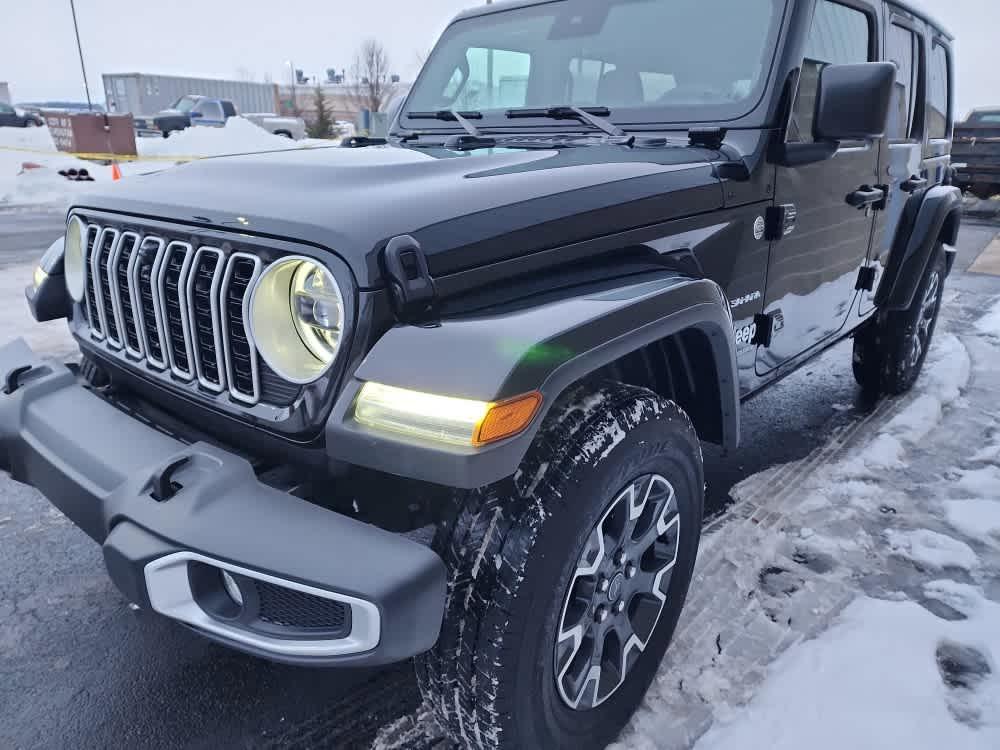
{"points": [[74, 262], [297, 318]]}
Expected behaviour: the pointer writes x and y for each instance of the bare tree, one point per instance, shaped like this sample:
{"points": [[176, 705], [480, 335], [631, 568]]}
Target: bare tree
{"points": [[371, 84]]}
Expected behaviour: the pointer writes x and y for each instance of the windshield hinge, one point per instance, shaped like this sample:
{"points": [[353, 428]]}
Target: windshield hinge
{"points": [[711, 138], [411, 286]]}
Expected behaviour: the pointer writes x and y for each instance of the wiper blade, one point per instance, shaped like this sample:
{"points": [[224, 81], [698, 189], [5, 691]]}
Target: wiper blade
{"points": [[450, 115], [591, 116]]}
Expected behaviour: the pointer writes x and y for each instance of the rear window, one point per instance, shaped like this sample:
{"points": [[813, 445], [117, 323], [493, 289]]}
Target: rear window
{"points": [[985, 118], [938, 94]]}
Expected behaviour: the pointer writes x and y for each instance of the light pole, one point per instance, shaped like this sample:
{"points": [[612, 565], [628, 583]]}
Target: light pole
{"points": [[295, 103], [79, 48]]}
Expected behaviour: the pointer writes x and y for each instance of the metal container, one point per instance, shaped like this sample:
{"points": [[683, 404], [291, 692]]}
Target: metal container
{"points": [[147, 94]]}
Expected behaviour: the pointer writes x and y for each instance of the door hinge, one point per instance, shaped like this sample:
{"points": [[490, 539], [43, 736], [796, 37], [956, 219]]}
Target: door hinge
{"points": [[412, 288], [767, 324], [779, 221], [866, 278]]}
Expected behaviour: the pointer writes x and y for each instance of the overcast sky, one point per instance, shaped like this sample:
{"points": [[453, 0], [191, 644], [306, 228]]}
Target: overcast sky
{"points": [[240, 38]]}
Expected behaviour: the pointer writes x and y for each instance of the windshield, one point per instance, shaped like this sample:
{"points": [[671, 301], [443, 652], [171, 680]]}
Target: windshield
{"points": [[645, 60], [185, 103]]}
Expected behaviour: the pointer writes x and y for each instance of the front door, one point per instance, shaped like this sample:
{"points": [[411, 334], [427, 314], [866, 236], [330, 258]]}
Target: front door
{"points": [[813, 271]]}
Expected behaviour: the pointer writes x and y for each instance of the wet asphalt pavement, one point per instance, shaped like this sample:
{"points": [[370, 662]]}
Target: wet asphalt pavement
{"points": [[79, 669]]}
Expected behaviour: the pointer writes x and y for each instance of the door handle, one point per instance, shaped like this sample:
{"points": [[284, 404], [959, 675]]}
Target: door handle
{"points": [[866, 196], [913, 184]]}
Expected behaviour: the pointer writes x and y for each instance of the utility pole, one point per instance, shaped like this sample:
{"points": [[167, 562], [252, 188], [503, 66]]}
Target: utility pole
{"points": [[79, 49], [295, 103]]}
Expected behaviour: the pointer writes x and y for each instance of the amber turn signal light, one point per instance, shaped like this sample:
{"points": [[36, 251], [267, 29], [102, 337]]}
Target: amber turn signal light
{"points": [[507, 418]]}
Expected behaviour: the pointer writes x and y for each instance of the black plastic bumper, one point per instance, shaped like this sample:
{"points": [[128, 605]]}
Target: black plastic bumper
{"points": [[100, 466]]}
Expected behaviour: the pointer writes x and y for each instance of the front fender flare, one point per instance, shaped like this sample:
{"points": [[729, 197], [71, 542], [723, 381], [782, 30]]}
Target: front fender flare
{"points": [[924, 218], [547, 347]]}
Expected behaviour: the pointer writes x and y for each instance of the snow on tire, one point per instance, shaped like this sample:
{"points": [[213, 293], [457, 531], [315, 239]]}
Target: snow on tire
{"points": [[514, 550]]}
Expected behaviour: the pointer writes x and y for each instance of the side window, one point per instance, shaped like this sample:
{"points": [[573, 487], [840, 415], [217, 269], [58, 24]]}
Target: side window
{"points": [[210, 110], [903, 51], [498, 78], [228, 109], [937, 94], [839, 36], [6, 109]]}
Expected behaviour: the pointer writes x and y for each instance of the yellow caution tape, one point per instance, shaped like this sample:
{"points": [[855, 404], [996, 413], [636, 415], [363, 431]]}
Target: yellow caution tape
{"points": [[102, 157]]}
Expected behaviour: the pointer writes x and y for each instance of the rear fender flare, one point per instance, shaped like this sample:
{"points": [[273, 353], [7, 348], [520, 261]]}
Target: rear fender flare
{"points": [[929, 217], [546, 347]]}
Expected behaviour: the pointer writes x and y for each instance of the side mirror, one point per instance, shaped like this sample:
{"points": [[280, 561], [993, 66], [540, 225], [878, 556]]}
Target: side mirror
{"points": [[195, 115], [853, 102]]}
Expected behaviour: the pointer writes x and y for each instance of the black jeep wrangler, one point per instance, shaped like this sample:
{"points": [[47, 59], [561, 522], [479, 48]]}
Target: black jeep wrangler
{"points": [[444, 397]]}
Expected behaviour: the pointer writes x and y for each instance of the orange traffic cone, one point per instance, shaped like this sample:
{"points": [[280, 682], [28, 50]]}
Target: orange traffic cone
{"points": [[116, 173]]}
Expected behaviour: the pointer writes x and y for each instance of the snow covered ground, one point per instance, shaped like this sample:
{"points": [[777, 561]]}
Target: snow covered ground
{"points": [[19, 186]]}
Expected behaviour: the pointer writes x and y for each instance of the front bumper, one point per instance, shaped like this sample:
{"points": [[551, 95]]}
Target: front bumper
{"points": [[163, 531]]}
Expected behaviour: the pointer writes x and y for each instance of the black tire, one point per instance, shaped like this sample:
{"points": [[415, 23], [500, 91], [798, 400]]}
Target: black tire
{"points": [[889, 351], [984, 190], [514, 548]]}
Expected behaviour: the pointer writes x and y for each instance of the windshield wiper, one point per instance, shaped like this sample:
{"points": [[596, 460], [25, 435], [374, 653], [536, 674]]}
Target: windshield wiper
{"points": [[591, 116], [450, 115], [475, 139]]}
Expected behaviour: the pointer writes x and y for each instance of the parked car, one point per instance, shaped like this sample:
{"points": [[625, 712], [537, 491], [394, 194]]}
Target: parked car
{"points": [[60, 106], [289, 127], [15, 117], [977, 153], [444, 397], [192, 109]]}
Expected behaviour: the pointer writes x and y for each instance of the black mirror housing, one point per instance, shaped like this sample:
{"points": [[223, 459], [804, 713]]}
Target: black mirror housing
{"points": [[853, 102]]}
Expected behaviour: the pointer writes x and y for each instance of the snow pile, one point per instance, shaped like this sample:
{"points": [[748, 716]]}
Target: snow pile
{"points": [[888, 675], [990, 323], [238, 136], [931, 549], [20, 186]]}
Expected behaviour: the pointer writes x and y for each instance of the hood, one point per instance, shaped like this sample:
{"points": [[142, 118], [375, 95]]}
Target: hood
{"points": [[466, 209]]}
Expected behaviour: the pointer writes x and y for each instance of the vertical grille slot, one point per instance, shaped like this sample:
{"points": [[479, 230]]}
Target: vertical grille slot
{"points": [[93, 316], [242, 369], [118, 272], [107, 244], [206, 330], [142, 270], [172, 287]]}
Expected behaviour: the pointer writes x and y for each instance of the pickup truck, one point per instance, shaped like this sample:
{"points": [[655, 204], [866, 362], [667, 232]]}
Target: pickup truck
{"points": [[977, 153], [202, 110], [289, 127]]}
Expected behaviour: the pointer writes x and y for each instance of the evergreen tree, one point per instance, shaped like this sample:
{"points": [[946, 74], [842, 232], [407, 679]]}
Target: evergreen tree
{"points": [[323, 121]]}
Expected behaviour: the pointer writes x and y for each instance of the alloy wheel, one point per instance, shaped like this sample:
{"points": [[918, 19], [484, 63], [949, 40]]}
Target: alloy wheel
{"points": [[617, 592], [928, 308]]}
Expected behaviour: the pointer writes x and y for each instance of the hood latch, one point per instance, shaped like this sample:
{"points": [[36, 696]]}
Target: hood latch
{"points": [[414, 294]]}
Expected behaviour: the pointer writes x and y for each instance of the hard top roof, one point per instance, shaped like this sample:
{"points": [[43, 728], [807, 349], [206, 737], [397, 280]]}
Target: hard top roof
{"points": [[482, 10]]}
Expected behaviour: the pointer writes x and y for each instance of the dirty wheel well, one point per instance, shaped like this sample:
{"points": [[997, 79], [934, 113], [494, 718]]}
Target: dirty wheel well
{"points": [[682, 368]]}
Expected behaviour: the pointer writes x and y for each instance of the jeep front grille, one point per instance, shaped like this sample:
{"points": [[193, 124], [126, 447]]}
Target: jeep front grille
{"points": [[174, 308]]}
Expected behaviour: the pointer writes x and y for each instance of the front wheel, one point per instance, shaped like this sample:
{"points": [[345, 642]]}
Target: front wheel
{"points": [[566, 581]]}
